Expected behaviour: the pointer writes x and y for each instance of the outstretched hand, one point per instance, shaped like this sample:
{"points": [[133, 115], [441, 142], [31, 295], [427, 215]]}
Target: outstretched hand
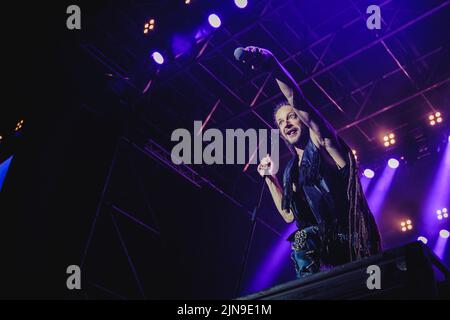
{"points": [[258, 59]]}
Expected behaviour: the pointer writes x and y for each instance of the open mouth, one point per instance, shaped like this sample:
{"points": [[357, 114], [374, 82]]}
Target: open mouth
{"points": [[291, 132]]}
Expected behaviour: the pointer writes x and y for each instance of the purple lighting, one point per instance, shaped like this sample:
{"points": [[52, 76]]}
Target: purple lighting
{"points": [[439, 247], [423, 239], [272, 264], [393, 163], [214, 20], [365, 182], [379, 191], [369, 173], [439, 193], [241, 3], [159, 59]]}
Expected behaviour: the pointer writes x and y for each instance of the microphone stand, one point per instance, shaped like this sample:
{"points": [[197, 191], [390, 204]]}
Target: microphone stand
{"points": [[249, 240]]}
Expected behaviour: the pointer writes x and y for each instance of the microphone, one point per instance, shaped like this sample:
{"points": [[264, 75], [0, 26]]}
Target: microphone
{"points": [[240, 54]]}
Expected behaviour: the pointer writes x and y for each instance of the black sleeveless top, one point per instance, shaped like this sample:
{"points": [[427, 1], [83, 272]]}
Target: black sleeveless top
{"points": [[320, 196]]}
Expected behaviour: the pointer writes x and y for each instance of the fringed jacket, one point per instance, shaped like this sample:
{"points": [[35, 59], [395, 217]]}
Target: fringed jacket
{"points": [[318, 193]]}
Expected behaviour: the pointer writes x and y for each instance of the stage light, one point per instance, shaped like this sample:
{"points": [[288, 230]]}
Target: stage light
{"points": [[369, 173], [187, 1], [393, 163], [442, 213], [389, 139], [18, 125], [435, 118], [423, 239], [444, 233], [406, 225], [159, 59], [149, 26], [214, 20], [354, 153], [241, 3]]}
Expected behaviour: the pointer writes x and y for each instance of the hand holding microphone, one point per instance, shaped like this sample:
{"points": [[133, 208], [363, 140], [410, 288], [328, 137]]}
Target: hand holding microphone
{"points": [[266, 167], [257, 58]]}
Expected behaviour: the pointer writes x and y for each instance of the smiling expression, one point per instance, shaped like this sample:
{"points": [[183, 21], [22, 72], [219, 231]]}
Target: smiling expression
{"points": [[289, 124]]}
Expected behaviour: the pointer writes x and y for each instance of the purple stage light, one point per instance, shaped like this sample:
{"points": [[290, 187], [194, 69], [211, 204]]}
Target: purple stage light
{"points": [[241, 3], [439, 247], [369, 173], [273, 262], [423, 239], [365, 183], [444, 233], [438, 194], [214, 20], [159, 59], [393, 163], [378, 193]]}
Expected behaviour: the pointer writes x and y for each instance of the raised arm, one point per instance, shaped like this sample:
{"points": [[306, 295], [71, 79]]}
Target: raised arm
{"points": [[322, 133]]}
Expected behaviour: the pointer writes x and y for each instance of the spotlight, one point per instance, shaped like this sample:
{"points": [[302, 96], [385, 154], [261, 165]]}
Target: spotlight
{"points": [[435, 118], [149, 26], [444, 233], [354, 153], [369, 173], [389, 139], [18, 125], [393, 163], [442, 214], [406, 225], [423, 239], [159, 59], [241, 3], [214, 20], [187, 1]]}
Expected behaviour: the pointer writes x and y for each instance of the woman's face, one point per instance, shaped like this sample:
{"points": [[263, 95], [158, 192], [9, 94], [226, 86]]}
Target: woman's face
{"points": [[289, 124]]}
